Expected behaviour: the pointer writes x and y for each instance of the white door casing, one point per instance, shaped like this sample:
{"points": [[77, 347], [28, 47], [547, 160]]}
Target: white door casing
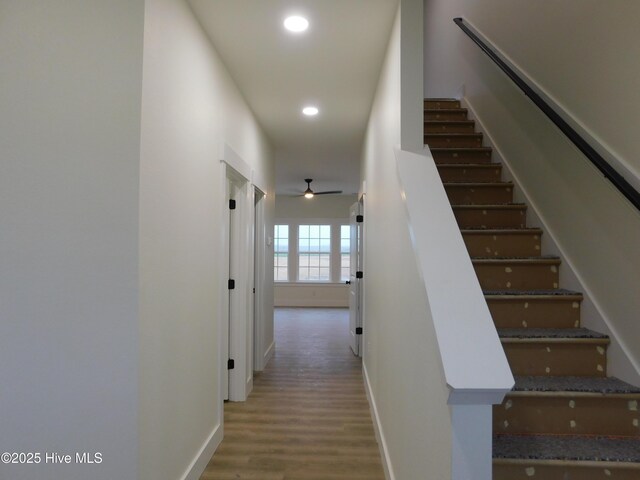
{"points": [[355, 314], [236, 329]]}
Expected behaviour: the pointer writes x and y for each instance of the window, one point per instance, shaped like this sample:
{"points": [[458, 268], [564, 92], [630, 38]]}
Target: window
{"points": [[312, 250], [345, 252], [281, 253], [314, 253]]}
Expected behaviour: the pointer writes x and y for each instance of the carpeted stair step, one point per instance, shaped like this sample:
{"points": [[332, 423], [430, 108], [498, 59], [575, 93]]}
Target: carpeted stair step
{"points": [[481, 193], [565, 457], [564, 419], [534, 309], [449, 126], [569, 406], [441, 103], [575, 352], [453, 140], [517, 273], [445, 114], [461, 155], [523, 242], [470, 172], [491, 216]]}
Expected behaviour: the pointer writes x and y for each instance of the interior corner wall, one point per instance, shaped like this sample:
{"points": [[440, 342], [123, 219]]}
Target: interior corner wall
{"points": [[191, 107], [401, 359], [580, 54], [69, 135]]}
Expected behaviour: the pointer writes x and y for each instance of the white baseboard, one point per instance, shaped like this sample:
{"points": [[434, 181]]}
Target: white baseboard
{"points": [[199, 463], [377, 426], [268, 354], [310, 303]]}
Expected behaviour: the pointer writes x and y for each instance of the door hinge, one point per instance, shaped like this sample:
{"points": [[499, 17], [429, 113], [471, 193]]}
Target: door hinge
{"points": [[231, 364], [232, 204], [231, 284], [358, 330], [359, 275], [359, 218], [254, 290]]}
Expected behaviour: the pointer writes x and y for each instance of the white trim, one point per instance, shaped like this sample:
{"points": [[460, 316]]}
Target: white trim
{"points": [[334, 265], [199, 463], [310, 303], [377, 426], [240, 329], [268, 354], [229, 156], [259, 281], [471, 459]]}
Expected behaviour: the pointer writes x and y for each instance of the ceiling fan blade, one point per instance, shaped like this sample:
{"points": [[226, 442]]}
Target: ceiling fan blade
{"points": [[329, 192]]}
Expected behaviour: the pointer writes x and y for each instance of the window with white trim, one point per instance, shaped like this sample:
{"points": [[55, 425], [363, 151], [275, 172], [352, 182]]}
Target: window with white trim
{"points": [[281, 253], [345, 252], [314, 253], [311, 250]]}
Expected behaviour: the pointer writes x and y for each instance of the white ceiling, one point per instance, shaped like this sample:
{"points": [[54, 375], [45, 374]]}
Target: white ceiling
{"points": [[334, 65]]}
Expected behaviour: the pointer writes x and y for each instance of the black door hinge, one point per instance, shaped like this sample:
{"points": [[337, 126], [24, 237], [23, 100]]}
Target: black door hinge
{"points": [[359, 218], [359, 275], [358, 330], [232, 204], [231, 364], [231, 284]]}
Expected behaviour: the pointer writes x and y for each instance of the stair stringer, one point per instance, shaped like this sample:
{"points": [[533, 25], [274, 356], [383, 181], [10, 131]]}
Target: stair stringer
{"points": [[620, 363]]}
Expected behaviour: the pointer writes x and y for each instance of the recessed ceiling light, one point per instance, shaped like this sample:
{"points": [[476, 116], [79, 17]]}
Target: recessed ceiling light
{"points": [[296, 24], [310, 111]]}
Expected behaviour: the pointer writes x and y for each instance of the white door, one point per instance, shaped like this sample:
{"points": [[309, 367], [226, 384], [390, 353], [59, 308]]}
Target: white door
{"points": [[355, 275]]}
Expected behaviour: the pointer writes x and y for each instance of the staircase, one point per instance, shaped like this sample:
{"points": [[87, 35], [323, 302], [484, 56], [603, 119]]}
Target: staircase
{"points": [[565, 419]]}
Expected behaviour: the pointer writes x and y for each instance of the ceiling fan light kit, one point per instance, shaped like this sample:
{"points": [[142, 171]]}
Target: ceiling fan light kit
{"points": [[308, 193]]}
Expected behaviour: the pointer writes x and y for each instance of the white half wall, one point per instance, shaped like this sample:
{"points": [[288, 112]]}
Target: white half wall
{"points": [[567, 51], [191, 108], [69, 135], [401, 357], [311, 295]]}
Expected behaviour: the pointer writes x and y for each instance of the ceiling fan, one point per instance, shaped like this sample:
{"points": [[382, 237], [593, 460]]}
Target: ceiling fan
{"points": [[308, 193]]}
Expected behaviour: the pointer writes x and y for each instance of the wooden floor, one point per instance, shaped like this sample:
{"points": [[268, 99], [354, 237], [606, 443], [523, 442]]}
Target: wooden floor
{"points": [[308, 417]]}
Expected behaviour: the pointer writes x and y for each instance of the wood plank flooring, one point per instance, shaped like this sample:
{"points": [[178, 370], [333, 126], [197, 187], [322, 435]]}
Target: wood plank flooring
{"points": [[308, 417]]}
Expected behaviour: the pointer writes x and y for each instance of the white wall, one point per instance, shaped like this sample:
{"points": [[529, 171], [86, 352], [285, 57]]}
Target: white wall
{"points": [[401, 358], [190, 108], [581, 54], [324, 206], [69, 135]]}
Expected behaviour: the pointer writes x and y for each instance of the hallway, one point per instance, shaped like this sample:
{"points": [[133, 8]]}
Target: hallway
{"points": [[308, 416]]}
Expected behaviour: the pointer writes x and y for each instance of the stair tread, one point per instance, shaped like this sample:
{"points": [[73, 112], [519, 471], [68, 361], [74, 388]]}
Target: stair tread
{"points": [[532, 293], [567, 447], [453, 134], [462, 166], [476, 184], [549, 333], [463, 149], [432, 110], [573, 384], [540, 259], [492, 206], [464, 122], [494, 230]]}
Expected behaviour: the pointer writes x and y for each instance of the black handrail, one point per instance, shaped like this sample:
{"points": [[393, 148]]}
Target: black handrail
{"points": [[594, 157]]}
